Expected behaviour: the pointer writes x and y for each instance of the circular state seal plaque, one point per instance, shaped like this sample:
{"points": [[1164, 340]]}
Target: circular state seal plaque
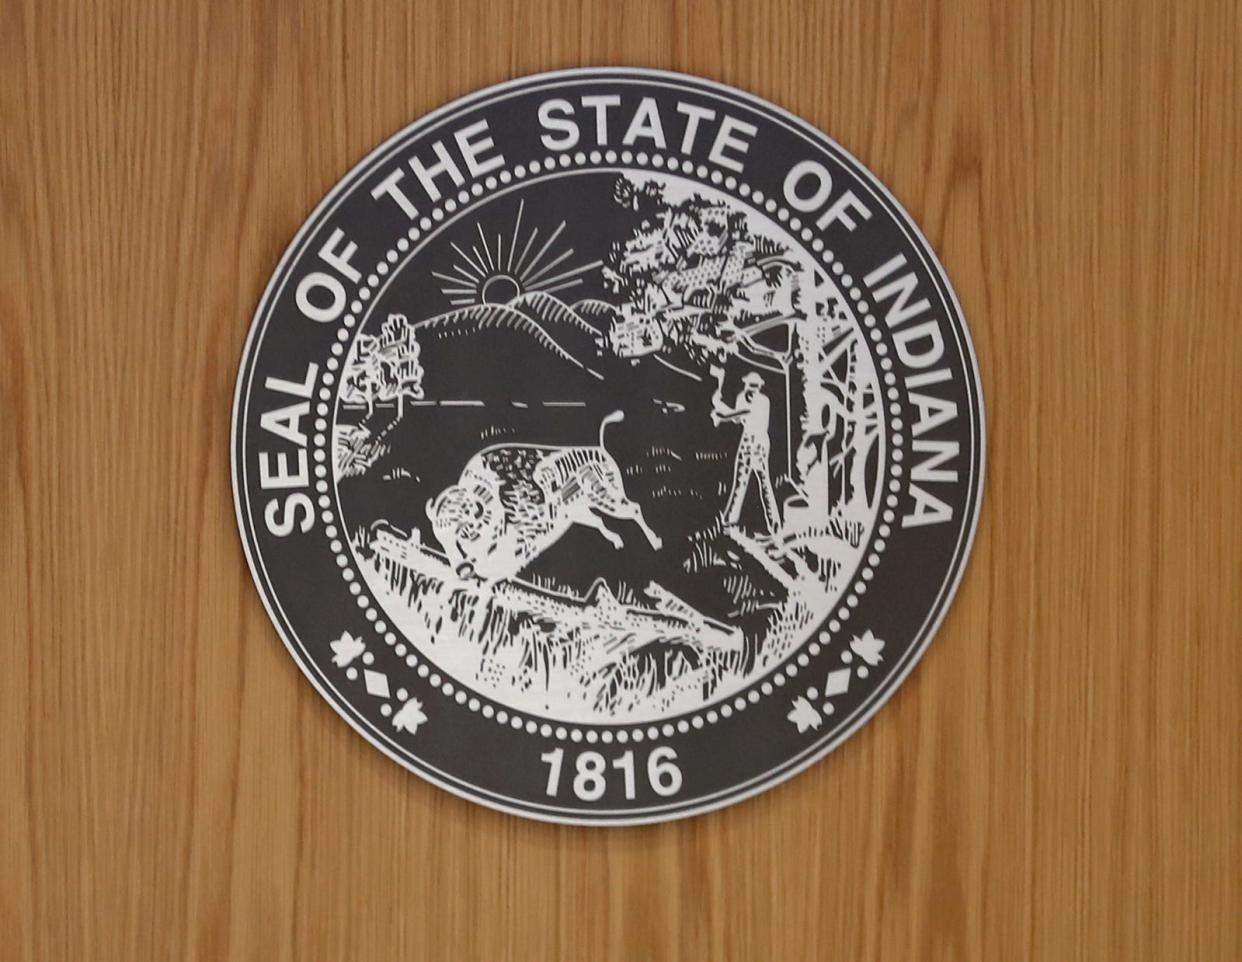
{"points": [[607, 446]]}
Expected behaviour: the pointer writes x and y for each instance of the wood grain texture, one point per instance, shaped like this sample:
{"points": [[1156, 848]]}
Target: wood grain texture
{"points": [[1058, 780]]}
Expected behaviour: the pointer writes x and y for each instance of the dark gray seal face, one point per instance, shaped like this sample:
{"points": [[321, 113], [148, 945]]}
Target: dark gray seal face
{"points": [[607, 446]]}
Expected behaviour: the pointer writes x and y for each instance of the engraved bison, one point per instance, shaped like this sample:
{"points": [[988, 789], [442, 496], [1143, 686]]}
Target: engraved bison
{"points": [[514, 501]]}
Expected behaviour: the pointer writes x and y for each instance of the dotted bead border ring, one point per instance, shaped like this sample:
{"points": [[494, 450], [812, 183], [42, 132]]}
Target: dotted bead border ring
{"points": [[388, 264]]}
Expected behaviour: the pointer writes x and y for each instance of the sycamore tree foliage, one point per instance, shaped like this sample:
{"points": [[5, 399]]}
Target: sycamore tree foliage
{"points": [[696, 280], [385, 369], [692, 275]]}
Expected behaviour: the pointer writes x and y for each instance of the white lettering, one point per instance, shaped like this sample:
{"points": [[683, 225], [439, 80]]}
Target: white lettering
{"points": [[600, 104], [388, 188], [444, 165], [842, 211], [472, 148], [928, 509], [318, 280], [694, 114], [820, 191], [339, 259], [284, 525], [565, 125], [646, 124], [725, 140], [905, 339]]}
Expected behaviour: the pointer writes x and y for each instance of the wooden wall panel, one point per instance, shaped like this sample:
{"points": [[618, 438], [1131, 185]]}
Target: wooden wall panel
{"points": [[1058, 780]]}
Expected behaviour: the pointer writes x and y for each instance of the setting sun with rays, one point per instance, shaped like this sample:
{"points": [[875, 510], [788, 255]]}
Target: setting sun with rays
{"points": [[494, 271]]}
